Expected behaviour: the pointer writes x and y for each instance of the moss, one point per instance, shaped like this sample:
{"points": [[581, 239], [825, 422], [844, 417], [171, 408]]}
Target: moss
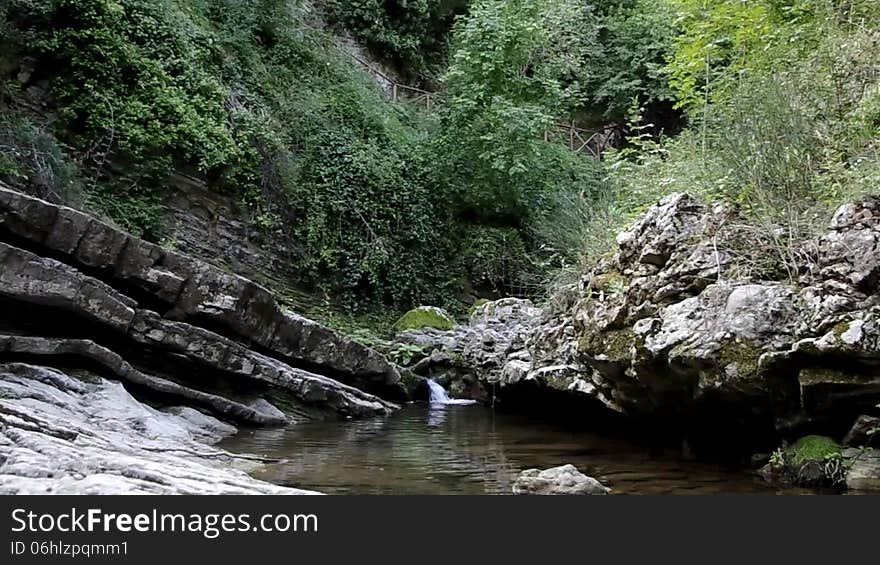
{"points": [[612, 281], [745, 356], [821, 375], [811, 449], [840, 328], [615, 344], [477, 303], [424, 317]]}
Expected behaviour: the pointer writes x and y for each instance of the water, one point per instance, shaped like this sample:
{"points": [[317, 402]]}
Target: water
{"points": [[438, 395], [452, 449]]}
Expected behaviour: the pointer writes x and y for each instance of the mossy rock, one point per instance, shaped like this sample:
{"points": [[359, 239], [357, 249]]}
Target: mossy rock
{"points": [[811, 448], [812, 461], [744, 356], [609, 282], [424, 317], [616, 344]]}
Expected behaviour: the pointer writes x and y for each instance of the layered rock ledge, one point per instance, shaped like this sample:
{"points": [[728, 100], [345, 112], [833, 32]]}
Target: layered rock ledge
{"points": [[88, 309]]}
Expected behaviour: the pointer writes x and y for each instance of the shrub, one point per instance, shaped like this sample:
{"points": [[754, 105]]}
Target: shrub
{"points": [[33, 159]]}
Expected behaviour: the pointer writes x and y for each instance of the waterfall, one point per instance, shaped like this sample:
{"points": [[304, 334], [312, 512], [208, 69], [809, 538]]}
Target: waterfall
{"points": [[438, 395]]}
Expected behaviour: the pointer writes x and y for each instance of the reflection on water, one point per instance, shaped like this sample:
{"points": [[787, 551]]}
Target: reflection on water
{"points": [[468, 450]]}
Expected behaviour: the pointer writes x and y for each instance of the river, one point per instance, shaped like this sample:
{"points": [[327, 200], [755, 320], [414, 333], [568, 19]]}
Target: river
{"points": [[437, 449]]}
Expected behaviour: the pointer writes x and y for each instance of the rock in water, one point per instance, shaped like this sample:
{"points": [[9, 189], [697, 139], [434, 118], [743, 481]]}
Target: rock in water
{"points": [[864, 431], [558, 480], [673, 326]]}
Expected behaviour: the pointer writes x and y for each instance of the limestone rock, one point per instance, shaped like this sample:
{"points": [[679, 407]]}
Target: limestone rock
{"points": [[673, 325], [110, 443], [565, 480], [191, 290]]}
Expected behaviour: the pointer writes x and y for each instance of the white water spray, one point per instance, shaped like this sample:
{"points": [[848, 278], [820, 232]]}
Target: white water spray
{"points": [[438, 395]]}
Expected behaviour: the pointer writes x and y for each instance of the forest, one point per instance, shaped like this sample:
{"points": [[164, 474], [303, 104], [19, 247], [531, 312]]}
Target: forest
{"points": [[772, 105]]}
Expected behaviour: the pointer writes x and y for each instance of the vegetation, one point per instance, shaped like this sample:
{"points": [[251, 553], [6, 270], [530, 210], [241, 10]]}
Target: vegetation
{"points": [[412, 36], [424, 317], [772, 105], [811, 461]]}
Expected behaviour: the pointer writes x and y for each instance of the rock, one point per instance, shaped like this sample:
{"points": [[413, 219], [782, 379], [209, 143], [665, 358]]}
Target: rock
{"points": [[812, 461], [864, 431], [672, 327], [558, 480], [110, 443], [425, 317], [864, 471], [190, 290], [28, 278], [264, 407], [118, 368], [125, 317]]}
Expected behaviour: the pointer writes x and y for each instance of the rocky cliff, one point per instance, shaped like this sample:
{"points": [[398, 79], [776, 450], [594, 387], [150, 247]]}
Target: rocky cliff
{"points": [[90, 312], [674, 328]]}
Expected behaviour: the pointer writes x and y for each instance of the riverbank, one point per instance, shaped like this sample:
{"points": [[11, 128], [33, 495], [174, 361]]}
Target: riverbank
{"points": [[109, 341]]}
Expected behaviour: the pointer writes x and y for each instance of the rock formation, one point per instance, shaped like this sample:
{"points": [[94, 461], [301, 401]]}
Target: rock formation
{"points": [[681, 324], [81, 297], [64, 435]]}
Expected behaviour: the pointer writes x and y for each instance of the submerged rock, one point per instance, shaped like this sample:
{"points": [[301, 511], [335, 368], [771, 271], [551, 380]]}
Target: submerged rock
{"points": [[558, 480]]}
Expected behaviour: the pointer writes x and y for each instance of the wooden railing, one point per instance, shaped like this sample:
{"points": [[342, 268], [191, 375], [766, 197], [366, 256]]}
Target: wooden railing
{"points": [[590, 142]]}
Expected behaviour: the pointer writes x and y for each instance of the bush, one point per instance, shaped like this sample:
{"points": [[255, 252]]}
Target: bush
{"points": [[32, 159]]}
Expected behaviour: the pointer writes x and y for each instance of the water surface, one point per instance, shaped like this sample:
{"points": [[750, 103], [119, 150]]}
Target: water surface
{"points": [[453, 449]]}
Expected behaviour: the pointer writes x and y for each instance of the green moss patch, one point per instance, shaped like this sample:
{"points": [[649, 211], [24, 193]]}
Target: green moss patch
{"points": [[425, 317], [811, 449], [477, 303], [609, 282]]}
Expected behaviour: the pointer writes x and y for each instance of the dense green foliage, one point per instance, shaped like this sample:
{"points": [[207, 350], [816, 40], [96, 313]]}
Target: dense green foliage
{"points": [[772, 104], [787, 124], [411, 35], [259, 103]]}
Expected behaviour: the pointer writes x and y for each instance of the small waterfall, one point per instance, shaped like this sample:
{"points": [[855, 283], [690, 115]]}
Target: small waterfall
{"points": [[438, 395]]}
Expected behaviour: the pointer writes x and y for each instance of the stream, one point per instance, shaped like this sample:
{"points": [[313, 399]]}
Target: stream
{"points": [[458, 449]]}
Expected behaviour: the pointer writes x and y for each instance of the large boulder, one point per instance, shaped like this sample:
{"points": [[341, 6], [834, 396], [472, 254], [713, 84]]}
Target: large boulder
{"points": [[425, 317], [558, 480]]}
